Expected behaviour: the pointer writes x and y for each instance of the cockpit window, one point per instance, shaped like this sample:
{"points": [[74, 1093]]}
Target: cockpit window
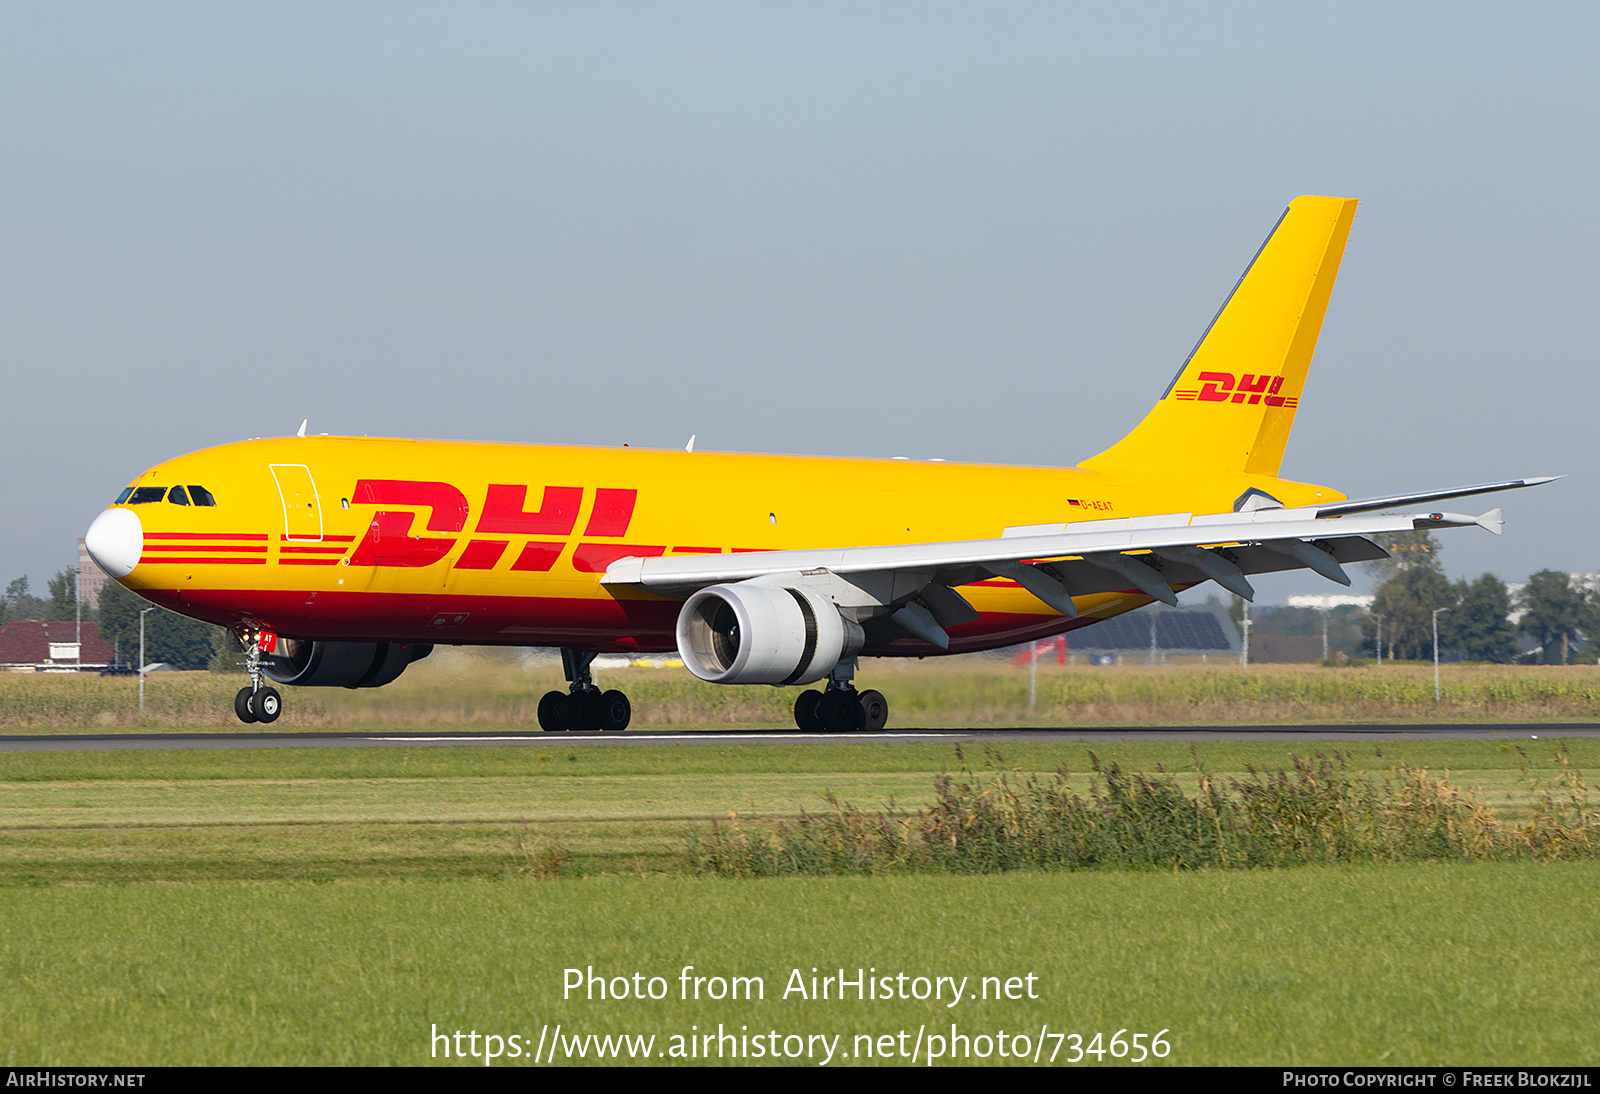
{"points": [[178, 497], [201, 495], [127, 492], [146, 494]]}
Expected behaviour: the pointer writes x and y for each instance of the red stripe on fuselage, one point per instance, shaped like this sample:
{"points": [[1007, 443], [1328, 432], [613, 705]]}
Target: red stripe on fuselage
{"points": [[206, 535]]}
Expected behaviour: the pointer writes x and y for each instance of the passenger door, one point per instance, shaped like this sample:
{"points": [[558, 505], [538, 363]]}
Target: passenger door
{"points": [[302, 510]]}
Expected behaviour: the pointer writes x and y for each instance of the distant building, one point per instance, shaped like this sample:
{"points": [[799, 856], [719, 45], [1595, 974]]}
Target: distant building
{"points": [[91, 578], [32, 646], [1330, 601]]}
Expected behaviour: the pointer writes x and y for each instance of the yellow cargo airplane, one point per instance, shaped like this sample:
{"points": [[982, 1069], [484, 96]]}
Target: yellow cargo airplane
{"points": [[337, 561]]}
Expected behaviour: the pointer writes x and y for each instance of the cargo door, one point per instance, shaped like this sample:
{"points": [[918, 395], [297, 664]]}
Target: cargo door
{"points": [[302, 511]]}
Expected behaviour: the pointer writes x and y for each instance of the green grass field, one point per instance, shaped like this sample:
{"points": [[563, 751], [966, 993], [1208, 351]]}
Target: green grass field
{"points": [[454, 688], [334, 906], [1426, 964], [273, 814]]}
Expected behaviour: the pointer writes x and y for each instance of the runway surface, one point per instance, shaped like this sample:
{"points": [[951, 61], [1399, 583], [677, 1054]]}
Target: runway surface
{"points": [[121, 742]]}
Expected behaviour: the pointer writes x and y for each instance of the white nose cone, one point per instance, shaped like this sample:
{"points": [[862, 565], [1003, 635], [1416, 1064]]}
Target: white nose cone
{"points": [[115, 541]]}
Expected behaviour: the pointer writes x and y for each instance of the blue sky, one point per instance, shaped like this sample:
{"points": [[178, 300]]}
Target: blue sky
{"points": [[973, 231]]}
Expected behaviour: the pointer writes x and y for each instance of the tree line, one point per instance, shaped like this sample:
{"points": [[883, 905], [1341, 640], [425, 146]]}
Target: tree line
{"points": [[1559, 621]]}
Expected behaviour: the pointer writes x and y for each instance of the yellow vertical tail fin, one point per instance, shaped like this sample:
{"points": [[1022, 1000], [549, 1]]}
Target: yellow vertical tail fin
{"points": [[1231, 406]]}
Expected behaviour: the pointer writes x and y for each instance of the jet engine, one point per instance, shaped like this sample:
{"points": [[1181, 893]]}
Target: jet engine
{"points": [[342, 664], [763, 634]]}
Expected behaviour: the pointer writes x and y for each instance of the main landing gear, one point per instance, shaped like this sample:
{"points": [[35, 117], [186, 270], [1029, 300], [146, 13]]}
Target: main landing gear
{"points": [[840, 708], [583, 706], [256, 703]]}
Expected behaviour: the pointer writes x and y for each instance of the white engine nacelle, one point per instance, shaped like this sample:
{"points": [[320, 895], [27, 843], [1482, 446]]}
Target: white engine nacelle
{"points": [[763, 634]]}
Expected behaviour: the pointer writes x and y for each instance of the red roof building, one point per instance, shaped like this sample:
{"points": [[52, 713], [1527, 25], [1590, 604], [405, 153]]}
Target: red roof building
{"points": [[30, 645]]}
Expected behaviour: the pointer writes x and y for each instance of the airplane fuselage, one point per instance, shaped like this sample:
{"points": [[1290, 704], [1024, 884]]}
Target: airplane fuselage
{"points": [[358, 539]]}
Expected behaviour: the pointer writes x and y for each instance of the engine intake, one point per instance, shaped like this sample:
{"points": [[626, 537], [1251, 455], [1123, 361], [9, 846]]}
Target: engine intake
{"points": [[342, 664], [762, 634]]}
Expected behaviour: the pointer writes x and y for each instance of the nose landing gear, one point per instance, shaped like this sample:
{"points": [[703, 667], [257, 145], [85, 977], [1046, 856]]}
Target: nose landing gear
{"points": [[256, 703], [584, 706]]}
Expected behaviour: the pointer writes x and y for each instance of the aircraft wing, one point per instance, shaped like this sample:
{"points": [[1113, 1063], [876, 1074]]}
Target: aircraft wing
{"points": [[915, 583], [1368, 505]]}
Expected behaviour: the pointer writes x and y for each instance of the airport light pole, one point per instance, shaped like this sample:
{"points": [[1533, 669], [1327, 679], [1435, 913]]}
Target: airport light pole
{"points": [[1244, 649], [1033, 673], [142, 613], [1436, 612]]}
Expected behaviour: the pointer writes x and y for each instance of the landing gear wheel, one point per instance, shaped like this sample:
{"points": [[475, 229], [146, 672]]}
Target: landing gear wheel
{"points": [[581, 710], [267, 704], [874, 711], [550, 712], [241, 706], [838, 711], [805, 712], [615, 712]]}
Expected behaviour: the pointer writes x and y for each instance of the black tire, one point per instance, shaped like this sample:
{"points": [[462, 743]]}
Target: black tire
{"points": [[241, 706], [550, 712], [581, 711], [266, 704], [838, 711], [615, 712], [805, 712], [874, 711]]}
